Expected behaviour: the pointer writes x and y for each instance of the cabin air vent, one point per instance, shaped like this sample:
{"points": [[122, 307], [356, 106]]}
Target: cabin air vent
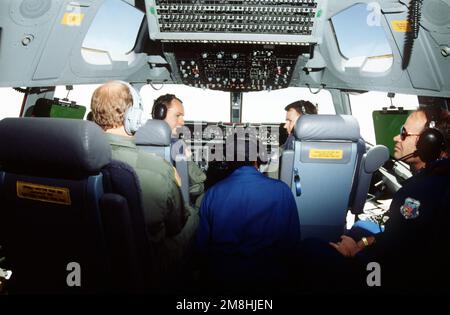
{"points": [[32, 9], [32, 12]]}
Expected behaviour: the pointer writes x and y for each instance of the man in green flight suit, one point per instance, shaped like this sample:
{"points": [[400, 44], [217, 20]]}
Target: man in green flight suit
{"points": [[170, 109], [170, 224]]}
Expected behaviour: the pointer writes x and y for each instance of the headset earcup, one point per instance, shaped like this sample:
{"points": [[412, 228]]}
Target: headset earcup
{"points": [[127, 121], [133, 115], [132, 122], [159, 112], [430, 144]]}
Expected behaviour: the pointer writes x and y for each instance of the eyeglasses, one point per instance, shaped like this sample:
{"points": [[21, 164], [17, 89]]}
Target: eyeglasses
{"points": [[404, 134]]}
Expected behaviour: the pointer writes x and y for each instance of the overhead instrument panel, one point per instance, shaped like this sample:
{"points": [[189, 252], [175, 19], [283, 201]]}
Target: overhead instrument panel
{"points": [[275, 22], [238, 68]]}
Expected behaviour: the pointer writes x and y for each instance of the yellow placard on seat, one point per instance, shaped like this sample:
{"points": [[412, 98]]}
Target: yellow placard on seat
{"points": [[326, 154], [43, 193], [72, 19], [401, 26]]}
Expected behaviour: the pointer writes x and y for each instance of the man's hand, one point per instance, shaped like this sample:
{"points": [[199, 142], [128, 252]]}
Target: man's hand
{"points": [[347, 246]]}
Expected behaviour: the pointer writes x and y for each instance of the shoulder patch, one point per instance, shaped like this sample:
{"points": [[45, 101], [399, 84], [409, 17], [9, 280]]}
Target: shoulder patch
{"points": [[410, 209]]}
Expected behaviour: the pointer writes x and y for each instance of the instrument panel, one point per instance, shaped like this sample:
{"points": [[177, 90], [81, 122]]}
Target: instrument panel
{"points": [[236, 68], [287, 22], [208, 140]]}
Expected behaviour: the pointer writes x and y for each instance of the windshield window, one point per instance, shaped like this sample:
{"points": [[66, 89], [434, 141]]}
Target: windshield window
{"points": [[199, 105], [12, 101], [268, 107]]}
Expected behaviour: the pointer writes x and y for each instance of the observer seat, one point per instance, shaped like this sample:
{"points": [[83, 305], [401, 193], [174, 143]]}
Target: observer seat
{"points": [[64, 200]]}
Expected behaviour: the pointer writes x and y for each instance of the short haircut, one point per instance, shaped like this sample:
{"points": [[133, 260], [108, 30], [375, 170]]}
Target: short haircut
{"points": [[109, 104], [246, 152], [165, 100], [443, 102], [302, 107]]}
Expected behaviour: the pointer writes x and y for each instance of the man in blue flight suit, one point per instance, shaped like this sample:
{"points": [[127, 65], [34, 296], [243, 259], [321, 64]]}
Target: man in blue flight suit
{"points": [[249, 224], [413, 251]]}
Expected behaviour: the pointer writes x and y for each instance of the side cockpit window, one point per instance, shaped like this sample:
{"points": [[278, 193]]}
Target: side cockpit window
{"points": [[113, 33], [361, 38]]}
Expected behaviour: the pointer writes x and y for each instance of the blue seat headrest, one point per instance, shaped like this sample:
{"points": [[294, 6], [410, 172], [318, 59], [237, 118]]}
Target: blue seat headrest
{"points": [[154, 132], [53, 144], [327, 127]]}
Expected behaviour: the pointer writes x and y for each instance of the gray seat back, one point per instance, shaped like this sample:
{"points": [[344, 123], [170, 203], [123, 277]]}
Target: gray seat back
{"points": [[155, 137], [182, 169], [324, 167], [372, 160], [287, 166]]}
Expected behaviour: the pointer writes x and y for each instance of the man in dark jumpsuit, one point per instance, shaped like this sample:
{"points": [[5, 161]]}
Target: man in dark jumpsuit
{"points": [[249, 225], [413, 251]]}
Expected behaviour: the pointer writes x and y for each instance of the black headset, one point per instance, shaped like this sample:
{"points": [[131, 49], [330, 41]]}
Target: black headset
{"points": [[431, 143], [303, 109], [159, 111]]}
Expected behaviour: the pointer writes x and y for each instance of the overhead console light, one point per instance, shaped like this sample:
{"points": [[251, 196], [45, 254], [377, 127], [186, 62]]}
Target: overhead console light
{"points": [[275, 22]]}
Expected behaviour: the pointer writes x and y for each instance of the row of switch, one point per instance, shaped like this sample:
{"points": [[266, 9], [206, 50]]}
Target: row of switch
{"points": [[235, 2], [217, 27], [237, 87], [232, 18], [221, 9]]}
